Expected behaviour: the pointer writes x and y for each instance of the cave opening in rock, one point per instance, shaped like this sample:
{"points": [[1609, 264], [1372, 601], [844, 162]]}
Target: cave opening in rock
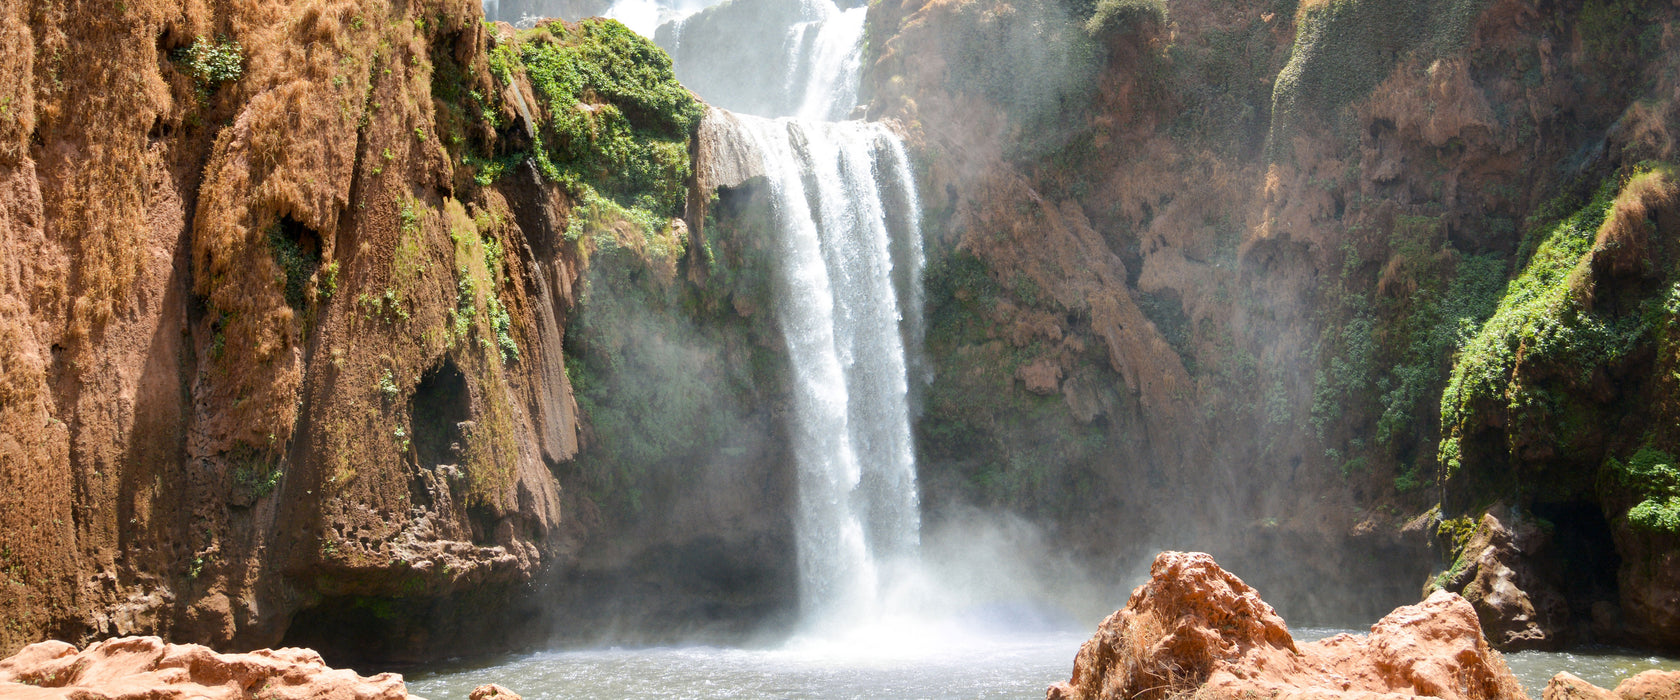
{"points": [[441, 408], [357, 631], [297, 252], [1584, 554]]}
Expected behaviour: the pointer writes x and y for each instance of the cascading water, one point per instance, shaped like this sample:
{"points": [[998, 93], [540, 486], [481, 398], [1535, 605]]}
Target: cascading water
{"points": [[841, 314], [849, 293], [849, 275]]}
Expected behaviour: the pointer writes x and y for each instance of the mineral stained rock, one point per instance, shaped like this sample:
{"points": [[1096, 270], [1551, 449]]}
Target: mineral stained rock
{"points": [[1517, 607], [146, 667], [1196, 629]]}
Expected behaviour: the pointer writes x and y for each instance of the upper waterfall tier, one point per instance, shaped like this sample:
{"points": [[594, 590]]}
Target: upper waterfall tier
{"points": [[771, 58]]}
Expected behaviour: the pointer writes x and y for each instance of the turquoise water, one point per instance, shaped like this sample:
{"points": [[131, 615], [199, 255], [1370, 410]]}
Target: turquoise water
{"points": [[949, 662], [956, 667]]}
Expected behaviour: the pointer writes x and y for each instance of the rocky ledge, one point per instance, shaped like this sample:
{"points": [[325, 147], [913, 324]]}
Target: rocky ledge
{"points": [[1196, 629], [146, 667]]}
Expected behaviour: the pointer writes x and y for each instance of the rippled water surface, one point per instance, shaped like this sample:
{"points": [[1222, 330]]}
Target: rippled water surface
{"points": [[1600, 666], [1603, 667], [884, 663], [956, 667]]}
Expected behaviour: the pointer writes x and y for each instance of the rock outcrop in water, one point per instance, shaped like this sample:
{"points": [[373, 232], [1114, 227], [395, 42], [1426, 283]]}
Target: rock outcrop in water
{"points": [[1196, 629], [146, 667], [1519, 608], [1650, 685]]}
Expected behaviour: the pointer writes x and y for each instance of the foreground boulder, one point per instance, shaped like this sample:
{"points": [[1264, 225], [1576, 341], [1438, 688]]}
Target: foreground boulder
{"points": [[146, 667], [1195, 628], [1650, 685]]}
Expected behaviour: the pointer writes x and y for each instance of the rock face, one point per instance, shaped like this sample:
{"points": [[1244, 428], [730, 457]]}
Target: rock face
{"points": [[1495, 570], [1650, 685], [286, 333], [1195, 628], [1254, 299], [146, 667]]}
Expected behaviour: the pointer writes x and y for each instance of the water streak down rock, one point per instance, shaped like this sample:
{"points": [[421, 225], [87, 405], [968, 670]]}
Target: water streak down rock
{"points": [[1195, 628]]}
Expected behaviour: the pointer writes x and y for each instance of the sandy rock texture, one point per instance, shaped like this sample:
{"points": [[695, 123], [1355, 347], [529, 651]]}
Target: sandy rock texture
{"points": [[491, 691], [1650, 685], [131, 668], [1194, 628]]}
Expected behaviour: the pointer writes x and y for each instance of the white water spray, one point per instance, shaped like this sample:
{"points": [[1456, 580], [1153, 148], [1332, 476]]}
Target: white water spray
{"points": [[841, 315]]}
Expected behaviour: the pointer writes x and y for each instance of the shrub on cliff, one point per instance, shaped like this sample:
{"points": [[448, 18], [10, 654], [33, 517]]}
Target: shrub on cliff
{"points": [[1119, 16], [618, 120], [1653, 479], [211, 63]]}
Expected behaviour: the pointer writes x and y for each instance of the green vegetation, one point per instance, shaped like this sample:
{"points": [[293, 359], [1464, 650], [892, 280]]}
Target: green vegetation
{"points": [[1118, 16], [211, 63], [1617, 34], [617, 125], [1653, 478], [297, 262], [1387, 348], [1546, 322], [1035, 60], [258, 480], [979, 423], [480, 272], [668, 375], [1343, 48]]}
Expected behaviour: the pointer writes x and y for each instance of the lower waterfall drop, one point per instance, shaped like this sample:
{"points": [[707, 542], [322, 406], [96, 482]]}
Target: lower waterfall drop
{"points": [[842, 294]]}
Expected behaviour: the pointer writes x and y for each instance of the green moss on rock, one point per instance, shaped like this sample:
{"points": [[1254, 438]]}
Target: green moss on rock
{"points": [[1534, 358], [616, 121], [1344, 48]]}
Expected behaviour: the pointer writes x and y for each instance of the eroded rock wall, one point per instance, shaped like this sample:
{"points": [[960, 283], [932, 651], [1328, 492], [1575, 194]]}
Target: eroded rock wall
{"points": [[1202, 271], [289, 308]]}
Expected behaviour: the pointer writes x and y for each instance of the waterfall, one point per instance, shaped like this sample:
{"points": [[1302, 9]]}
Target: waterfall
{"points": [[848, 284], [824, 57], [849, 272], [841, 309]]}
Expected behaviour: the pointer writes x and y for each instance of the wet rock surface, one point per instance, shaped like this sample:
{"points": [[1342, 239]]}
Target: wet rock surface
{"points": [[1517, 607], [1195, 628], [146, 667]]}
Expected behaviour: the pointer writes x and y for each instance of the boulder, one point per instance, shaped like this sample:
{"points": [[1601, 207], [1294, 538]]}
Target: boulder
{"points": [[146, 667], [1517, 607], [1650, 685], [491, 691], [1196, 629]]}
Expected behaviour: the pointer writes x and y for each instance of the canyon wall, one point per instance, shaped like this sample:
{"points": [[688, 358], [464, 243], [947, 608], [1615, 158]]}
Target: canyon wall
{"points": [[1310, 285], [297, 300], [378, 328]]}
